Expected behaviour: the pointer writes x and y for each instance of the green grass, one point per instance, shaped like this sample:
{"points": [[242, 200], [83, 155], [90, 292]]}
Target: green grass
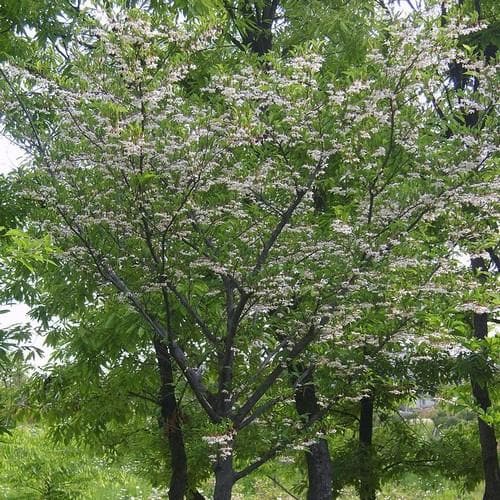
{"points": [[398, 491], [32, 467], [409, 487]]}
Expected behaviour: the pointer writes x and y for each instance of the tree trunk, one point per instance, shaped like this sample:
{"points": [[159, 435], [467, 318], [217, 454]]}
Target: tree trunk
{"points": [[258, 36], [196, 495], [319, 466], [224, 475], [171, 423], [367, 486], [488, 443], [319, 471], [487, 437]]}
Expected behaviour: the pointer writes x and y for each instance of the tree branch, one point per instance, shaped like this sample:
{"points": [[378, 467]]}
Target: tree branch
{"points": [[192, 375], [271, 378], [192, 312]]}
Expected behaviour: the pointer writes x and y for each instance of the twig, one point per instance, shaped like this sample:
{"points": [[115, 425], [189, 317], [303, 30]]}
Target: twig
{"points": [[277, 483]]}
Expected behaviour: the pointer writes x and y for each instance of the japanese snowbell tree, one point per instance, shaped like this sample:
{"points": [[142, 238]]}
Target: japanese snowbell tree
{"points": [[200, 211]]}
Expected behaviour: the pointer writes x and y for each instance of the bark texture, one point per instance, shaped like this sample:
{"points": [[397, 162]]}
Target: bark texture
{"points": [[319, 471], [171, 422], [224, 477], [319, 466], [367, 483], [487, 437]]}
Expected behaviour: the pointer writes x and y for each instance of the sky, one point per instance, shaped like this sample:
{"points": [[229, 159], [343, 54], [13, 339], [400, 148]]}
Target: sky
{"points": [[10, 155]]}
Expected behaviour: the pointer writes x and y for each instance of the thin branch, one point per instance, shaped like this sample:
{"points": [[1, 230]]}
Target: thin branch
{"points": [[192, 312], [279, 446], [27, 113], [299, 347], [259, 412], [284, 220], [143, 396], [422, 462], [261, 461], [192, 375], [279, 485]]}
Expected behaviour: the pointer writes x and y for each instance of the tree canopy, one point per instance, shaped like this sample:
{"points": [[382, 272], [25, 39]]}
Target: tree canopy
{"points": [[246, 226]]}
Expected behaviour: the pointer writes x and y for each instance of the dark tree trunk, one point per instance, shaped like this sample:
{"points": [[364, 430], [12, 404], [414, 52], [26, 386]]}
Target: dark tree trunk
{"points": [[319, 466], [487, 437], [488, 441], [171, 423], [319, 471], [258, 36], [367, 483], [224, 476], [196, 495]]}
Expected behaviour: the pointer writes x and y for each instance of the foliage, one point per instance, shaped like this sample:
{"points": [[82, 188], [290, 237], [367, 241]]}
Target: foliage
{"points": [[32, 466], [300, 209]]}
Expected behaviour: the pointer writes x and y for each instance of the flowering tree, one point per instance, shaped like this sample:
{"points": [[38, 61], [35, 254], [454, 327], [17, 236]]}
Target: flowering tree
{"points": [[258, 222], [401, 281], [464, 81]]}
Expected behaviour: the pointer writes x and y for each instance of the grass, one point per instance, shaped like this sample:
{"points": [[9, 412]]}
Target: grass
{"points": [[409, 487], [32, 467]]}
